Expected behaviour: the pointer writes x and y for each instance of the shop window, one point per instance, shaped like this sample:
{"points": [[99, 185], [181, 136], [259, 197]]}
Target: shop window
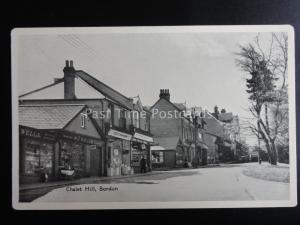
{"points": [[38, 157], [126, 153], [72, 156], [157, 157]]}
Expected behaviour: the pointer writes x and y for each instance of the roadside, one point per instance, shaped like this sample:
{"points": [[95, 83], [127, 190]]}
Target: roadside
{"points": [[265, 171]]}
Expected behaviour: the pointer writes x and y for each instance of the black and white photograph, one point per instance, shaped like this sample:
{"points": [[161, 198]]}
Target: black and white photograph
{"points": [[153, 117]]}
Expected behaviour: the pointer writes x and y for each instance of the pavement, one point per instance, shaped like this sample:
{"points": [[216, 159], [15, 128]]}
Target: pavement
{"points": [[221, 183]]}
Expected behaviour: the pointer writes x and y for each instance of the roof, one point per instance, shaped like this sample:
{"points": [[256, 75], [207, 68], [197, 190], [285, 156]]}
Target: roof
{"points": [[105, 89], [225, 116], [180, 106], [48, 116], [167, 142], [213, 126]]}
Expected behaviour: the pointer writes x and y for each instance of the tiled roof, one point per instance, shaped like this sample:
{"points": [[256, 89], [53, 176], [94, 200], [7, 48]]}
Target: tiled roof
{"points": [[180, 106], [169, 143], [213, 126], [48, 116], [105, 89]]}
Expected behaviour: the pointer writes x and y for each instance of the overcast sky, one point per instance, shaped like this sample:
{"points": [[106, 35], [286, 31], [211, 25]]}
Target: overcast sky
{"points": [[198, 68]]}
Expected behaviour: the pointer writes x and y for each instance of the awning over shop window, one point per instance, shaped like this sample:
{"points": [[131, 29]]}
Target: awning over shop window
{"points": [[119, 134], [157, 148], [143, 137]]}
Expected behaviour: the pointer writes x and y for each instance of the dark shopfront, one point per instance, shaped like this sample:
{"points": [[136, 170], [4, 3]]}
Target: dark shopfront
{"points": [[46, 151], [140, 148]]}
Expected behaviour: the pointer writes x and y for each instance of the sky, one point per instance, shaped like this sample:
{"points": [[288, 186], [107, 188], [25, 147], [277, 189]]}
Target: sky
{"points": [[197, 68]]}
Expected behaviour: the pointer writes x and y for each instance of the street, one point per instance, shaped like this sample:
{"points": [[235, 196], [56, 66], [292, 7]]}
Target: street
{"points": [[221, 183]]}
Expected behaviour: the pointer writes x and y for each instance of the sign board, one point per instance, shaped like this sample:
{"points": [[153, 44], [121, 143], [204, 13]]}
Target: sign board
{"points": [[119, 134], [143, 137], [116, 152]]}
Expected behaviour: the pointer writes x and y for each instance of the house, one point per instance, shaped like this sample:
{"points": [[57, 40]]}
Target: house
{"points": [[175, 132], [226, 128], [122, 120]]}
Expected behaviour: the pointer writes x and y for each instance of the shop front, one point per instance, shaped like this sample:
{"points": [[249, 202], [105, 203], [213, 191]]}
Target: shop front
{"points": [[80, 154], [119, 153], [140, 150], [36, 155], [47, 155]]}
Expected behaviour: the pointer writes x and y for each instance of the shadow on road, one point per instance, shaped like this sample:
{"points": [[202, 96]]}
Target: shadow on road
{"points": [[149, 179]]}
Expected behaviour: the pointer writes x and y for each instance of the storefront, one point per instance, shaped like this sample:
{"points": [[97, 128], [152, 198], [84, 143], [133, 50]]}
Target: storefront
{"points": [[158, 159], [49, 152], [36, 154], [140, 148], [119, 153]]}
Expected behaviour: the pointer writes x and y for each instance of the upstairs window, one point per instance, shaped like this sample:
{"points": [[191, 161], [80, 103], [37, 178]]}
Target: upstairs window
{"points": [[82, 122]]}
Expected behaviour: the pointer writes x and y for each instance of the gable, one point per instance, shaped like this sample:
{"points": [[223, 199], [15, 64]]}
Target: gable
{"points": [[89, 130], [163, 105]]}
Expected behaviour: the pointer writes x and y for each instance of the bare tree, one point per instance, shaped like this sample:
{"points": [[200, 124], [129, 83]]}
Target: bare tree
{"points": [[267, 88]]}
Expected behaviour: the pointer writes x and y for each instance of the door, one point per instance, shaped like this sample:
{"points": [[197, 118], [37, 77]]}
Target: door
{"points": [[169, 159], [96, 161]]}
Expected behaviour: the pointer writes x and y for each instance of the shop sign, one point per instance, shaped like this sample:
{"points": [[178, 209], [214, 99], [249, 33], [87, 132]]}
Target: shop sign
{"points": [[48, 136], [119, 134], [78, 138], [143, 137], [30, 133]]}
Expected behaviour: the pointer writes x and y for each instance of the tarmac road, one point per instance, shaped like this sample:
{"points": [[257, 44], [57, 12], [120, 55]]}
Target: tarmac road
{"points": [[202, 184]]}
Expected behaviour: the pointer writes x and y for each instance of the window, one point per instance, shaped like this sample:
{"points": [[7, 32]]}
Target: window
{"points": [[157, 157], [136, 119], [122, 121], [83, 120], [72, 155], [38, 156]]}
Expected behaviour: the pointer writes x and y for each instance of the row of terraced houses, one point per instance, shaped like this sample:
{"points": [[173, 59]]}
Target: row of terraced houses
{"points": [[78, 126]]}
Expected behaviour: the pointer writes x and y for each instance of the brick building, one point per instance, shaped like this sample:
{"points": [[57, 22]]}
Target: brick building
{"points": [[176, 133]]}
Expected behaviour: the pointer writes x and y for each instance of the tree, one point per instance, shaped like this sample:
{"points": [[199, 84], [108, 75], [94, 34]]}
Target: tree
{"points": [[267, 88]]}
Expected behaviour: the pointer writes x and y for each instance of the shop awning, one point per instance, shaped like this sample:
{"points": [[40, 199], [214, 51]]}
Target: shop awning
{"points": [[157, 148], [119, 134], [143, 137]]}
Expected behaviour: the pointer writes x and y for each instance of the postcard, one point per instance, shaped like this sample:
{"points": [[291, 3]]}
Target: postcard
{"points": [[153, 117]]}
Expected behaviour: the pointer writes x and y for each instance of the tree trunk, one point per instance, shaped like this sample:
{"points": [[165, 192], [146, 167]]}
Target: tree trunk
{"points": [[274, 153]]}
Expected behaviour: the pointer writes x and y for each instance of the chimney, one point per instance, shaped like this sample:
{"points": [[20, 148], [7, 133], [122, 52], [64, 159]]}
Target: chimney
{"points": [[164, 93], [69, 80], [216, 112]]}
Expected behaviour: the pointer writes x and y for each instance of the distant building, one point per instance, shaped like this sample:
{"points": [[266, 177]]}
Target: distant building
{"points": [[177, 133]]}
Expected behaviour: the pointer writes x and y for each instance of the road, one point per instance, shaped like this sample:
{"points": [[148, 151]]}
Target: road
{"points": [[202, 184]]}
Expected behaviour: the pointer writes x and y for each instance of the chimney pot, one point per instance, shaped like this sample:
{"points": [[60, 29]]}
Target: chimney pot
{"points": [[67, 63], [164, 93], [71, 63]]}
